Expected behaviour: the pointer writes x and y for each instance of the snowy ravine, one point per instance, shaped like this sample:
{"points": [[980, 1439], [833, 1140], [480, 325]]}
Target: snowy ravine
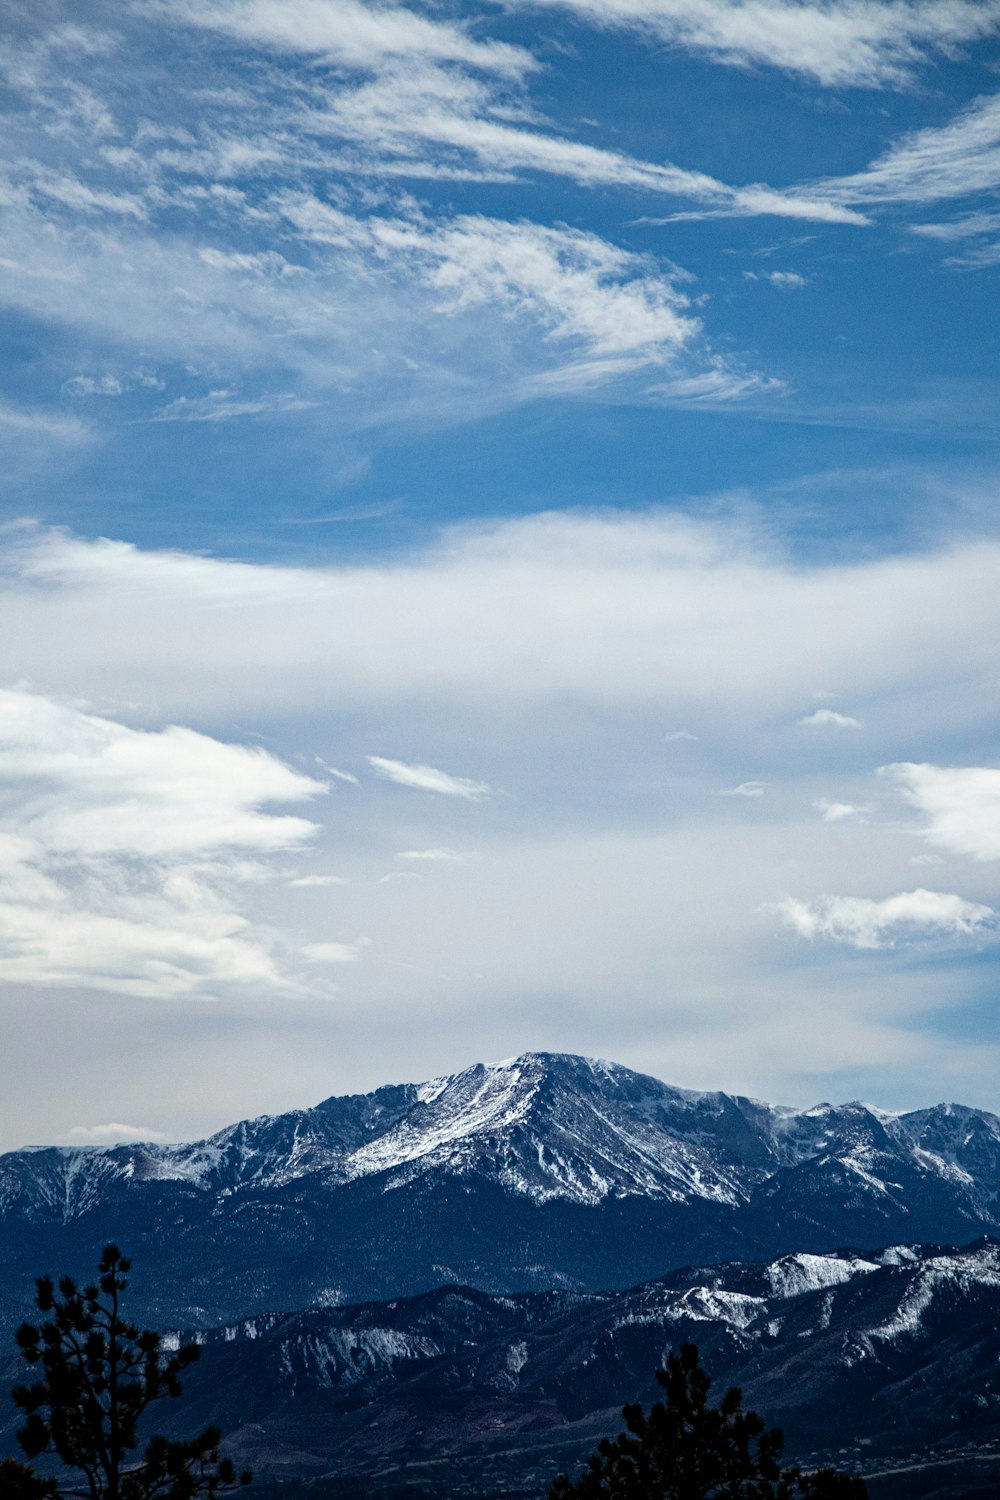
{"points": [[547, 1170]]}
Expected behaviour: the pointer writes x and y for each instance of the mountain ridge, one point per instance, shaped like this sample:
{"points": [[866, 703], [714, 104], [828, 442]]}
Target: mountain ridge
{"points": [[546, 1170], [863, 1357], [356, 1149]]}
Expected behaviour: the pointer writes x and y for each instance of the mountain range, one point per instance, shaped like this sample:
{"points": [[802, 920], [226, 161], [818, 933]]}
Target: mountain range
{"points": [[548, 1171], [882, 1362]]}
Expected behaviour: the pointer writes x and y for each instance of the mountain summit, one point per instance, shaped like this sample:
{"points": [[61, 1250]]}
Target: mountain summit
{"points": [[544, 1170]]}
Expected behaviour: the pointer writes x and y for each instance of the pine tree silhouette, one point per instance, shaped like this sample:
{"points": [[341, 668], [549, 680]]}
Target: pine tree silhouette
{"points": [[685, 1449], [98, 1375]]}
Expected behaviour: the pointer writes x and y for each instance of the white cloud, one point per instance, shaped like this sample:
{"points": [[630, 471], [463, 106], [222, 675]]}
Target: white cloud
{"points": [[838, 812], [862, 922], [78, 196], [86, 786], [519, 612], [576, 285], [426, 121], [112, 1134], [431, 103], [976, 257], [39, 422], [333, 953], [554, 650], [960, 803], [347, 776], [785, 280], [227, 406], [121, 850], [395, 313], [963, 226], [429, 779], [932, 164], [859, 43], [442, 855], [676, 736], [89, 385], [307, 882], [400, 313], [360, 36], [746, 789], [829, 718], [929, 166], [924, 166]]}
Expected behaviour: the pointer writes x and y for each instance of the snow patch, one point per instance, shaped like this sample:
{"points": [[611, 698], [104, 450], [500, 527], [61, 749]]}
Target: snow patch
{"points": [[794, 1274]]}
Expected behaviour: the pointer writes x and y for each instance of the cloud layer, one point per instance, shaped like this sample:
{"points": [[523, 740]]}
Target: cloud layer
{"points": [[121, 850], [612, 888], [650, 608]]}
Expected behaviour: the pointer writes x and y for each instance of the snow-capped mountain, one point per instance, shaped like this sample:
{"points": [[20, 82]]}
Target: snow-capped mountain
{"points": [[545, 1126], [862, 1355], [547, 1170]]}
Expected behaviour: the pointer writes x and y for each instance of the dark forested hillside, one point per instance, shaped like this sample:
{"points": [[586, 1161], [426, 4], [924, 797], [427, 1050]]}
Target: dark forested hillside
{"points": [[862, 1358]]}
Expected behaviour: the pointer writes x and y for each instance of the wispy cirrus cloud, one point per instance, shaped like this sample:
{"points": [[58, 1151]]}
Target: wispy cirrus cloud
{"points": [[518, 308], [933, 164], [788, 281], [556, 302], [577, 285], [854, 43], [347, 32], [41, 422], [962, 226], [429, 779], [228, 405], [436, 103], [429, 121], [441, 855], [202, 244]]}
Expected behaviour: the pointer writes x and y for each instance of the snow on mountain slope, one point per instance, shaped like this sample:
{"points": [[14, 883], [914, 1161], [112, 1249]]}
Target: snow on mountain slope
{"points": [[558, 1126], [888, 1352], [547, 1127]]}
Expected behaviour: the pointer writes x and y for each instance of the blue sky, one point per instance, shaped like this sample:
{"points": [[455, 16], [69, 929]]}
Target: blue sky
{"points": [[498, 548]]}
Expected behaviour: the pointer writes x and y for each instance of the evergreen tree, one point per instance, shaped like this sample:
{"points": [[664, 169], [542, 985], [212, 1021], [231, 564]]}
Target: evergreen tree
{"points": [[20, 1482], [98, 1374], [685, 1449]]}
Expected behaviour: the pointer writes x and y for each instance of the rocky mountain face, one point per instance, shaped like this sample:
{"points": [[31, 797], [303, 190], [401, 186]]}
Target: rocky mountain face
{"points": [[547, 1171], [862, 1357]]}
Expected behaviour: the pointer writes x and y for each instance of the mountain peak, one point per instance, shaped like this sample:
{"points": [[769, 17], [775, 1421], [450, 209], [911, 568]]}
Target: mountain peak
{"points": [[544, 1169]]}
